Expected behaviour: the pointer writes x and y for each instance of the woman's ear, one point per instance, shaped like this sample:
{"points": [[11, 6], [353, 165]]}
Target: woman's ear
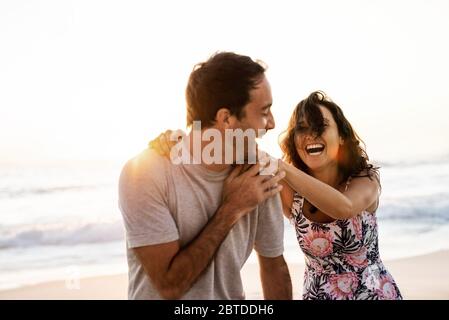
{"points": [[342, 141], [224, 119]]}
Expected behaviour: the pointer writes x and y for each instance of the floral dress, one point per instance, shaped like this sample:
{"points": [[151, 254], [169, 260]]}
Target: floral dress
{"points": [[342, 258]]}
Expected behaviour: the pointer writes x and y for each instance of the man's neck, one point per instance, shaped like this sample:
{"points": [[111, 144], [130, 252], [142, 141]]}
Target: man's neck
{"points": [[197, 145]]}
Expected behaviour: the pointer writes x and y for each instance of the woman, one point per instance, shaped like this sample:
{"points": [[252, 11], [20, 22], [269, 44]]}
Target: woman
{"points": [[330, 195]]}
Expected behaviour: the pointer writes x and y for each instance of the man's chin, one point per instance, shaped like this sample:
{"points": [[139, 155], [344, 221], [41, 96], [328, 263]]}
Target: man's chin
{"points": [[246, 159]]}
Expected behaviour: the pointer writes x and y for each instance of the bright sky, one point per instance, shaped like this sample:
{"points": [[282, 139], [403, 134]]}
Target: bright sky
{"points": [[98, 79]]}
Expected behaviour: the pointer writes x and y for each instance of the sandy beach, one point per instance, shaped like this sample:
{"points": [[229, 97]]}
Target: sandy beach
{"points": [[421, 277]]}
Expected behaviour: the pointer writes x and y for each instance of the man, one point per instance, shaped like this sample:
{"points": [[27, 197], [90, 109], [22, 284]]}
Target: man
{"points": [[191, 227]]}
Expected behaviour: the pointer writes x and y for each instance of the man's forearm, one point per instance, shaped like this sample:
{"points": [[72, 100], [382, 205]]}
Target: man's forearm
{"points": [[276, 281], [193, 259]]}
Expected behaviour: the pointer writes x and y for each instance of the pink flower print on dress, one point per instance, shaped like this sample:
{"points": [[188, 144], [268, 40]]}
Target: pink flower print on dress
{"points": [[319, 243], [358, 259], [342, 286], [316, 267], [357, 225], [371, 219], [387, 289]]}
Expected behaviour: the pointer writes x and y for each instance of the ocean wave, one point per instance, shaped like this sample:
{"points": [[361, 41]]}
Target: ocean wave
{"points": [[414, 212], [21, 192], [92, 232], [414, 215], [440, 160], [110, 231]]}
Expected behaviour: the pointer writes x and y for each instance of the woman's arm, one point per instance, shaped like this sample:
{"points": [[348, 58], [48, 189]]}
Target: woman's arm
{"points": [[361, 194], [287, 198]]}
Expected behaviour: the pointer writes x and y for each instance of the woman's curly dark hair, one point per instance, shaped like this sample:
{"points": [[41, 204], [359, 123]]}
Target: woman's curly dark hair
{"points": [[352, 158]]}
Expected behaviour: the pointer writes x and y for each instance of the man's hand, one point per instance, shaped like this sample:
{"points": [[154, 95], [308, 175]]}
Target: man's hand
{"points": [[243, 191]]}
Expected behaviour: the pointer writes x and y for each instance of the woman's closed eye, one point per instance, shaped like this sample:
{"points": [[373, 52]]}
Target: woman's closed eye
{"points": [[302, 129]]}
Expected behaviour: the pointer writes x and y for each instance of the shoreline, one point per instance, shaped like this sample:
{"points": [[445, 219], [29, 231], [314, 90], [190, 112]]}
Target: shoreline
{"points": [[419, 277]]}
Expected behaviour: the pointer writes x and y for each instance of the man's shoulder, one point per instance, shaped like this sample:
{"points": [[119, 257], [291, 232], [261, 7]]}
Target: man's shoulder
{"points": [[148, 164]]}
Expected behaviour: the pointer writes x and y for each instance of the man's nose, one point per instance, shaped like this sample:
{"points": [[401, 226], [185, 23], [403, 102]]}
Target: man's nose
{"points": [[270, 122]]}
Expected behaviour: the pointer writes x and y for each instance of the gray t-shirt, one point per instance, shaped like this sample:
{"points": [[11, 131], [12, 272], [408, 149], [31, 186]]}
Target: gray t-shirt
{"points": [[163, 202]]}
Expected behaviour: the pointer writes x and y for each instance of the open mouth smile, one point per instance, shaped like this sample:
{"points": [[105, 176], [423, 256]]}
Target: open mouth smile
{"points": [[314, 149]]}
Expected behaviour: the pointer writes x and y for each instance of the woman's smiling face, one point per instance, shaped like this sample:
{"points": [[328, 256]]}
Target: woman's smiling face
{"points": [[318, 151]]}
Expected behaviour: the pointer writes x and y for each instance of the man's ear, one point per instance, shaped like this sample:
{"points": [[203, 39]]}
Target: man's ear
{"points": [[224, 119]]}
